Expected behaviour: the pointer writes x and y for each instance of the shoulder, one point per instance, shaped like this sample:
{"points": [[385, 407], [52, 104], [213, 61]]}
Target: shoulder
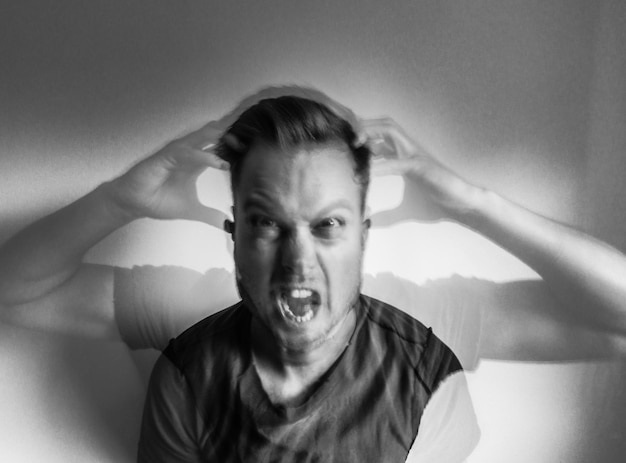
{"points": [[153, 304], [455, 307], [431, 359], [385, 317], [223, 331], [206, 361]]}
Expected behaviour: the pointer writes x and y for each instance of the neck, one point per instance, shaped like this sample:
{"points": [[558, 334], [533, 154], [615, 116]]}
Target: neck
{"points": [[326, 349], [289, 374]]}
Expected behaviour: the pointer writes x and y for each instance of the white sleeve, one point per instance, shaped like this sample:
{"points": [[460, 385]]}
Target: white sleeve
{"points": [[453, 308], [154, 304], [448, 431]]}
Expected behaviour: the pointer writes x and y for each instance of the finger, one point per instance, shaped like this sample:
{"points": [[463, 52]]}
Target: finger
{"points": [[344, 112], [233, 142], [381, 139], [208, 215], [214, 161], [382, 123], [370, 131], [385, 128], [382, 149], [229, 139], [207, 135], [389, 130], [208, 147], [361, 137], [193, 159], [379, 125], [382, 167]]}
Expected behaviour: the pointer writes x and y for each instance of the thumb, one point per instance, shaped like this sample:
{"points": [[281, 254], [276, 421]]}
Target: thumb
{"points": [[382, 167], [208, 215]]}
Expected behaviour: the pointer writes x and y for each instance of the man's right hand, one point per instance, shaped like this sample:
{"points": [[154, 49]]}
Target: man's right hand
{"points": [[432, 191], [163, 186], [44, 283]]}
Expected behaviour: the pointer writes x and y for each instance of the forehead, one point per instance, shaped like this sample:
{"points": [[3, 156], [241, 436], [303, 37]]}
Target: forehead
{"points": [[304, 176]]}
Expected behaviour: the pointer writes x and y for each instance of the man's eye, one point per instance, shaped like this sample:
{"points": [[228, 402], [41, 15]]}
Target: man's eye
{"points": [[330, 222], [263, 222], [264, 227], [328, 227]]}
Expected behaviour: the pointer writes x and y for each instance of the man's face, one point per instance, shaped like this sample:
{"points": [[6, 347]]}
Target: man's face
{"points": [[299, 240]]}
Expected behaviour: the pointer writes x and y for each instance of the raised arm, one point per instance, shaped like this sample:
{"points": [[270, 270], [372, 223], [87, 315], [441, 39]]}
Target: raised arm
{"points": [[583, 287], [43, 282]]}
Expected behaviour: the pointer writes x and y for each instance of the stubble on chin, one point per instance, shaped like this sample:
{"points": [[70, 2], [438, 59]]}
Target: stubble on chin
{"points": [[260, 322]]}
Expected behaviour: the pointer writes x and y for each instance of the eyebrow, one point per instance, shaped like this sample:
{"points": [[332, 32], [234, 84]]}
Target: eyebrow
{"points": [[340, 203], [260, 201], [263, 202]]}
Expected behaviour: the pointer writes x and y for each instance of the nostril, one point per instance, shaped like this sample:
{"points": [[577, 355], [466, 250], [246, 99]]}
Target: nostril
{"points": [[297, 252]]}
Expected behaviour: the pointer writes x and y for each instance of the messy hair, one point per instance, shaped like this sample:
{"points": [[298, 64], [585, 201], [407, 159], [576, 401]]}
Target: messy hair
{"points": [[289, 122]]}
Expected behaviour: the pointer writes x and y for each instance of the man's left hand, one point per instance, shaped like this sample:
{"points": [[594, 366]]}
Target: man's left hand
{"points": [[432, 191]]}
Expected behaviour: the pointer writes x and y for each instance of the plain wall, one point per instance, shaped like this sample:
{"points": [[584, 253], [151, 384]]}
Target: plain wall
{"points": [[524, 97]]}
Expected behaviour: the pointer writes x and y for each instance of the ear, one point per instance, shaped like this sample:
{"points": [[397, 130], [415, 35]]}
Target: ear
{"points": [[366, 225], [229, 227], [365, 229]]}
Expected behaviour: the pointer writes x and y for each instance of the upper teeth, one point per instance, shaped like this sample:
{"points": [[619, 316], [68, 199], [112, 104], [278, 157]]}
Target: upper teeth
{"points": [[300, 293]]}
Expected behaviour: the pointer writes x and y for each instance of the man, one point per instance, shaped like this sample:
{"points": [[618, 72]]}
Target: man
{"points": [[304, 368], [42, 267]]}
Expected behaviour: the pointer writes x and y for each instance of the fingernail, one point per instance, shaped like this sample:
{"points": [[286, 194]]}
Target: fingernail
{"points": [[361, 139], [208, 147]]}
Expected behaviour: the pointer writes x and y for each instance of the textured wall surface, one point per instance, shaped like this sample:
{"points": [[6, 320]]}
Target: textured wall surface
{"points": [[524, 97]]}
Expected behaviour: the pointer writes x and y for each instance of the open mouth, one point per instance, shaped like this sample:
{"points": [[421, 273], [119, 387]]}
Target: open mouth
{"points": [[298, 304]]}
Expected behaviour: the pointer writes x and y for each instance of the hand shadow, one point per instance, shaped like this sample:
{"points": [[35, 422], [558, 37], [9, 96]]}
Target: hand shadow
{"points": [[414, 207]]}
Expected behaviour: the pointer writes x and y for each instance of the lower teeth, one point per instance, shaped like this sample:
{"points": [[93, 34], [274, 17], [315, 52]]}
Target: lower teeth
{"points": [[308, 313], [302, 318]]}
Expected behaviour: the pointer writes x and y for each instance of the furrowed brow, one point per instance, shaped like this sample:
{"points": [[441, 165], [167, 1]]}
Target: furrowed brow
{"points": [[258, 202], [341, 203]]}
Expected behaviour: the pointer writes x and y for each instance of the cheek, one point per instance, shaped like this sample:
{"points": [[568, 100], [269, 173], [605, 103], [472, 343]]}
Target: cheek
{"points": [[254, 260], [343, 271]]}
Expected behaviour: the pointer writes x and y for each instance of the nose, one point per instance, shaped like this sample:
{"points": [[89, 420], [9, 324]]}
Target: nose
{"points": [[297, 253]]}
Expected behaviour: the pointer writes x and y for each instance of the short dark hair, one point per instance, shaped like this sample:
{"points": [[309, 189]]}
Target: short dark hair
{"points": [[287, 122]]}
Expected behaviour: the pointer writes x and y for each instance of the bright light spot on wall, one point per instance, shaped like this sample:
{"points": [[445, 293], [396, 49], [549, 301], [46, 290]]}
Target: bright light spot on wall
{"points": [[214, 190]]}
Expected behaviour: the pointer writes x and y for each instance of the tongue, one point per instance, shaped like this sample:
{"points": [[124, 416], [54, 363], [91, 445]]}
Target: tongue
{"points": [[299, 306]]}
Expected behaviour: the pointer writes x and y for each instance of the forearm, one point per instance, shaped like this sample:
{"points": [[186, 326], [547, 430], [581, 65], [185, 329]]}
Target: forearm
{"points": [[48, 253], [584, 278], [586, 275]]}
